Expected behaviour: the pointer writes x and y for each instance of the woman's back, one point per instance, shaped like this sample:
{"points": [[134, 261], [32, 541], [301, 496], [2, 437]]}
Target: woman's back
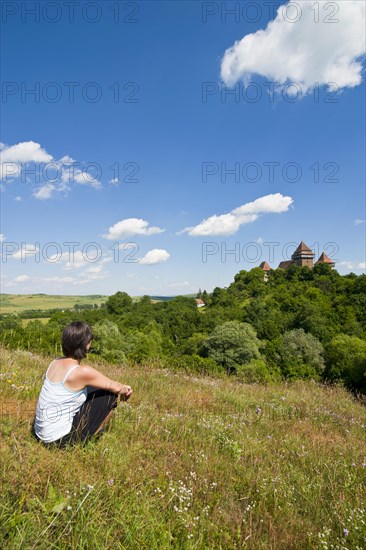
{"points": [[66, 412], [59, 400], [61, 367]]}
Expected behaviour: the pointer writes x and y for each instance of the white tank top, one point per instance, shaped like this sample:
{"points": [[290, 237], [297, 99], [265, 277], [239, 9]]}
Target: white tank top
{"points": [[56, 408]]}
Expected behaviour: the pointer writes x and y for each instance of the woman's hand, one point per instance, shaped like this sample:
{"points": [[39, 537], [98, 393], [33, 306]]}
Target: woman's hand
{"points": [[125, 392]]}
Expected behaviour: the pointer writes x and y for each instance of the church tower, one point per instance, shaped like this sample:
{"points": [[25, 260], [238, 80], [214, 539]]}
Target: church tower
{"points": [[303, 256], [324, 259]]}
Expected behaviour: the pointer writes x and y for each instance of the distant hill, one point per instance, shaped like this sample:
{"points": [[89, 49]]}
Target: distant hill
{"points": [[166, 298]]}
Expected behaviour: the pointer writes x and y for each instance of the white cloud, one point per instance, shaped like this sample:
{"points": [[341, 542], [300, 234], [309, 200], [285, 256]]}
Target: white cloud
{"points": [[18, 198], [84, 178], [114, 181], [94, 273], [94, 270], [26, 151], [14, 155], [294, 47], [55, 282], [127, 246], [57, 174], [75, 259], [9, 170], [130, 227], [58, 280], [353, 265], [228, 224], [155, 256], [2, 237], [106, 260], [359, 222], [179, 285], [78, 259], [21, 278], [45, 191], [25, 251], [66, 159]]}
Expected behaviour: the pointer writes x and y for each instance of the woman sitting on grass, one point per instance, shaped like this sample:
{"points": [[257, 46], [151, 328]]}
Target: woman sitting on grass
{"points": [[67, 410]]}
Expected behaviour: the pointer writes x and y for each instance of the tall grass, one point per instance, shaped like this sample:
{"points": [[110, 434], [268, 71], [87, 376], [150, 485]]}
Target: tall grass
{"points": [[188, 462]]}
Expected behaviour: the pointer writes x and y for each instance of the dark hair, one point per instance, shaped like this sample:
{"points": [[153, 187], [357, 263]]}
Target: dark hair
{"points": [[75, 338]]}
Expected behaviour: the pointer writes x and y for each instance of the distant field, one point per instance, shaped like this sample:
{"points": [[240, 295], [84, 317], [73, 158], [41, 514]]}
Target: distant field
{"points": [[17, 303]]}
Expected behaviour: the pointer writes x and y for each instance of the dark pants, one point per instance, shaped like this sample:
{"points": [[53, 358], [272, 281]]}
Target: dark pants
{"points": [[88, 419]]}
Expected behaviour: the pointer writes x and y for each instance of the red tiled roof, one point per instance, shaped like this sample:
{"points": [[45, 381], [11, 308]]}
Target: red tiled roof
{"points": [[324, 259], [265, 266], [286, 264], [303, 249]]}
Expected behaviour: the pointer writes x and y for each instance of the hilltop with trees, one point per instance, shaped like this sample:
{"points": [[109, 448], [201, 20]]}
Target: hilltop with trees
{"points": [[294, 323]]}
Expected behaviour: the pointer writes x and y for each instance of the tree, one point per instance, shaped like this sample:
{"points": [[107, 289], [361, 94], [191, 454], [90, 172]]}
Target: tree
{"points": [[233, 344], [147, 343], [194, 344], [119, 303], [301, 355], [346, 360], [108, 341]]}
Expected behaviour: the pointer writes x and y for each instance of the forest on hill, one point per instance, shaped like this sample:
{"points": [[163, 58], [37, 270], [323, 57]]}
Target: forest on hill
{"points": [[300, 323]]}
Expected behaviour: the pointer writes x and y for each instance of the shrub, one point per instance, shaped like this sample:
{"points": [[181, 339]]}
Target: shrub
{"points": [[233, 344], [255, 371], [301, 355], [346, 358]]}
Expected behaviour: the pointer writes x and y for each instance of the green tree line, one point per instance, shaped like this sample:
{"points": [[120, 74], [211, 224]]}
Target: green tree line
{"points": [[300, 323]]}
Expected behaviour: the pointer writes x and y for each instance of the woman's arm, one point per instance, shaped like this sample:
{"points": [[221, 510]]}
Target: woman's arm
{"points": [[91, 377]]}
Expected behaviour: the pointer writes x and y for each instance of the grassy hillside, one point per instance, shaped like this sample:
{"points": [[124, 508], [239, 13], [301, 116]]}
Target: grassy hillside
{"points": [[187, 463], [16, 303]]}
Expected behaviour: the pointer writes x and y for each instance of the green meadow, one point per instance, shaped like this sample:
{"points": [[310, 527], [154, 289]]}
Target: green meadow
{"points": [[17, 303], [189, 462]]}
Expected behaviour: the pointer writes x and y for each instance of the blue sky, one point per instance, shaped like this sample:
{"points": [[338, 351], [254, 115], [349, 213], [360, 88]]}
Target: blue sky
{"points": [[175, 131]]}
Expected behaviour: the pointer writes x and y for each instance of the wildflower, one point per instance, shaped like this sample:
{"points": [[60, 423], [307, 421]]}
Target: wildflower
{"points": [[345, 532], [258, 410], [110, 482], [69, 508]]}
